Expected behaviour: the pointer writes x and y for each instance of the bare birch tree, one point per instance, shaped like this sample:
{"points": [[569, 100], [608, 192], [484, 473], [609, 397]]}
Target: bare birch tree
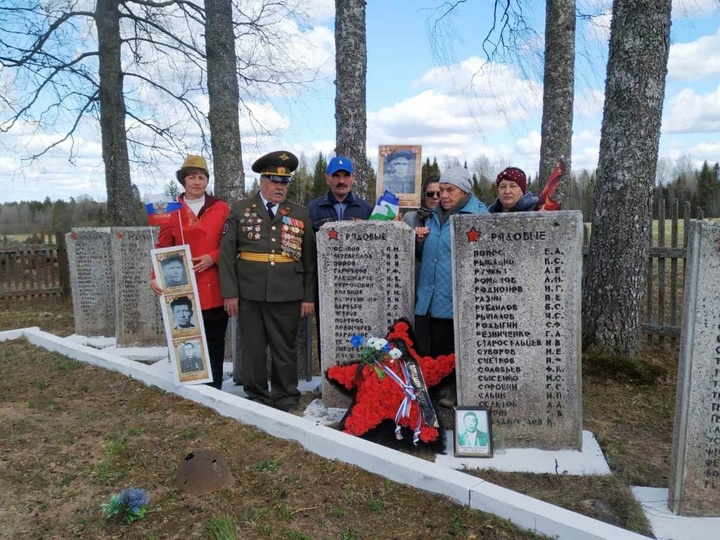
{"points": [[350, 83], [223, 100], [616, 272], [558, 86]]}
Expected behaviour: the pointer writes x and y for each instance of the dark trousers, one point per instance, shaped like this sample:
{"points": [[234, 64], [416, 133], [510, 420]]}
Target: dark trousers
{"points": [[442, 341], [215, 321], [442, 336], [422, 335], [274, 324]]}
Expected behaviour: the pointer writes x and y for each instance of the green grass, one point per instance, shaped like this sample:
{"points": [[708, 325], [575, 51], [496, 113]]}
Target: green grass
{"points": [[222, 528]]}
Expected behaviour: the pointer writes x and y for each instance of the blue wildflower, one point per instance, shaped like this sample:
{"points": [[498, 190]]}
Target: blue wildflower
{"points": [[133, 498], [130, 504], [356, 340]]}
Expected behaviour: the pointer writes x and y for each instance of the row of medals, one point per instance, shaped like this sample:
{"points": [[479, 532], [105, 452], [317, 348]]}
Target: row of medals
{"points": [[253, 231], [291, 241]]}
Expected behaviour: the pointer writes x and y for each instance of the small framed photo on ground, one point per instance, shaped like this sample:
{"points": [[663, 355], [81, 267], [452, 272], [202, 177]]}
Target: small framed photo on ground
{"points": [[473, 432]]}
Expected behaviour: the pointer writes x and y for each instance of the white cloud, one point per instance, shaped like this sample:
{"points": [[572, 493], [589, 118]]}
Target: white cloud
{"points": [[695, 60], [458, 104], [690, 112], [684, 9]]}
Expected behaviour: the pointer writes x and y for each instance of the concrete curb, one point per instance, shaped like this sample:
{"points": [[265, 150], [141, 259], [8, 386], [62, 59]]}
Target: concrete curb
{"points": [[467, 490]]}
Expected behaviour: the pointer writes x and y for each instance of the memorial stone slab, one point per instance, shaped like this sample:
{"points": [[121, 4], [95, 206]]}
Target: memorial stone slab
{"points": [[138, 319], [694, 487], [517, 290], [91, 280], [366, 273]]}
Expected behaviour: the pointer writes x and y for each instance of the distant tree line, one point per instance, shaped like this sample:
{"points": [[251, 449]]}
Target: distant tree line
{"points": [[699, 187]]}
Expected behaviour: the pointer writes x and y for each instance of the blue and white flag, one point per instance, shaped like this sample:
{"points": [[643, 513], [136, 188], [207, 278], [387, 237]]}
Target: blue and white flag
{"points": [[386, 208]]}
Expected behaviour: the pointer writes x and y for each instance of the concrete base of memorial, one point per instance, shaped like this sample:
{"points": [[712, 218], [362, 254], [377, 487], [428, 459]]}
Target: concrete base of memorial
{"points": [[668, 526], [523, 511], [589, 461]]}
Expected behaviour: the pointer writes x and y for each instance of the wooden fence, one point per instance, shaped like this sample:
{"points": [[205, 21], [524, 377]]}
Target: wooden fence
{"points": [[35, 269], [662, 317]]}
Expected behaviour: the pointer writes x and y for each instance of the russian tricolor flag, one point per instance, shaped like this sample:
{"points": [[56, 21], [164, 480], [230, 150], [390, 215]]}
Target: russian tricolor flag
{"points": [[160, 212]]}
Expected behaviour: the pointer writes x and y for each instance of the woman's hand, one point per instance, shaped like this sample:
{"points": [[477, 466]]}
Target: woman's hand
{"points": [[202, 263], [421, 233]]}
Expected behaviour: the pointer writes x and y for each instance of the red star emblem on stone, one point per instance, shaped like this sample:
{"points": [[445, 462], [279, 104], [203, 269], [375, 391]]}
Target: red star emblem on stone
{"points": [[378, 399], [473, 235], [120, 235], [333, 234], [73, 236]]}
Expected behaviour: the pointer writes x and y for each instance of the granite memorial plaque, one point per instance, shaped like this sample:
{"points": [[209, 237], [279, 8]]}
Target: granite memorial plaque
{"points": [[694, 487], [366, 273], [517, 290], [91, 280], [138, 320]]}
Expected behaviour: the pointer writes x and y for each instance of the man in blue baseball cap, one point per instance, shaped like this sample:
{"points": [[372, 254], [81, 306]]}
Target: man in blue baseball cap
{"points": [[339, 203]]}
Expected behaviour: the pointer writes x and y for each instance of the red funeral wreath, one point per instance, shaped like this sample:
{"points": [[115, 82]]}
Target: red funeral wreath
{"points": [[377, 399]]}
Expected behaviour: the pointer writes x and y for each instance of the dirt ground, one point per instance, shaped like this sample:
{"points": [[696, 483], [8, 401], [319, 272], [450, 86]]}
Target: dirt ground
{"points": [[71, 435]]}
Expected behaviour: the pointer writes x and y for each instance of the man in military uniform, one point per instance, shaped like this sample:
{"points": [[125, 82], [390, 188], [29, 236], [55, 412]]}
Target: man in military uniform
{"points": [[399, 172], [267, 278]]}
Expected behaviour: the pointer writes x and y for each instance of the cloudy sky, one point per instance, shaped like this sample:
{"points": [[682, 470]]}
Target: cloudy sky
{"points": [[429, 83]]}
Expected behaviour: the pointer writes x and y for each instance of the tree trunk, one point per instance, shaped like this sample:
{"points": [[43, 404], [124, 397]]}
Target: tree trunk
{"points": [[558, 86], [351, 75], [121, 210], [223, 97], [615, 277]]}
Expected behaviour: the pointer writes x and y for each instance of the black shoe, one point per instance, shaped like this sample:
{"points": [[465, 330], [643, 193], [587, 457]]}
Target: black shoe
{"points": [[288, 408]]}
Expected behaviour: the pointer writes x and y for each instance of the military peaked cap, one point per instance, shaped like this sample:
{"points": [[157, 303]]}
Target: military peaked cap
{"points": [[278, 166]]}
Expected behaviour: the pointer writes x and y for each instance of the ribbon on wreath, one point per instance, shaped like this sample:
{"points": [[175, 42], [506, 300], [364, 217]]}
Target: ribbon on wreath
{"points": [[410, 396]]}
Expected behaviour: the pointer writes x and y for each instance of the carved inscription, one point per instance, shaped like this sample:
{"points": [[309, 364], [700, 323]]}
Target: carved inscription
{"points": [[519, 342], [694, 486], [365, 282], [712, 435], [91, 278]]}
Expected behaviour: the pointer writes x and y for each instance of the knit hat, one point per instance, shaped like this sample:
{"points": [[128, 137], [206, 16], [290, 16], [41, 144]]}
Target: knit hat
{"points": [[513, 174], [458, 176]]}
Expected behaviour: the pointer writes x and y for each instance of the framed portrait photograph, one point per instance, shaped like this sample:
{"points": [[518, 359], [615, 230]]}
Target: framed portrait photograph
{"points": [[473, 432], [182, 313], [191, 360], [173, 271], [400, 172]]}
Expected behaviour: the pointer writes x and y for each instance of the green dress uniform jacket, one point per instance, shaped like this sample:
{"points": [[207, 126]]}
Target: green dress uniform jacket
{"points": [[249, 229], [269, 264]]}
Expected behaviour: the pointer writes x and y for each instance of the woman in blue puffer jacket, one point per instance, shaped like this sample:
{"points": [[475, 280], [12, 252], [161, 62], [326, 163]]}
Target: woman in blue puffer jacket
{"points": [[434, 290]]}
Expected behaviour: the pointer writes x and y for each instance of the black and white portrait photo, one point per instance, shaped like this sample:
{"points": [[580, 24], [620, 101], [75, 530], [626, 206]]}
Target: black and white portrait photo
{"points": [[190, 357], [400, 172], [182, 312], [174, 272]]}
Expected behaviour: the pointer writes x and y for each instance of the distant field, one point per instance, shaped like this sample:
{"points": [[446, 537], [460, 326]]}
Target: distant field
{"points": [[668, 231]]}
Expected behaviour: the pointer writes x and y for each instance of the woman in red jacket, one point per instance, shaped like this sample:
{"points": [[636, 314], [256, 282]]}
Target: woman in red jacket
{"points": [[200, 225]]}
